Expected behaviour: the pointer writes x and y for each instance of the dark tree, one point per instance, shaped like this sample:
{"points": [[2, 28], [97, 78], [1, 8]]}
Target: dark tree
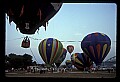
{"points": [[18, 61]]}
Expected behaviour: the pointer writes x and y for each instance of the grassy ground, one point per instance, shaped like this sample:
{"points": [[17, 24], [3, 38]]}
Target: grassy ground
{"points": [[78, 74]]}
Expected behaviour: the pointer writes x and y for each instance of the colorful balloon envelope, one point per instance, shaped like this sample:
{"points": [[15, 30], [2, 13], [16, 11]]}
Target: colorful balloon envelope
{"points": [[96, 46], [68, 63], [70, 48], [61, 58], [50, 50], [81, 61], [31, 14]]}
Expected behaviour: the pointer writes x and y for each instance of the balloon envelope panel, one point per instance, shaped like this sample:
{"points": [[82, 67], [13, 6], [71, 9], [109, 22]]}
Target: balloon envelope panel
{"points": [[96, 46], [61, 58]]}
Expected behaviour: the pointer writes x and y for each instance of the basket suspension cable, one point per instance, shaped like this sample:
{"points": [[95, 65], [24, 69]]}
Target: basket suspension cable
{"points": [[33, 55], [41, 39], [15, 39]]}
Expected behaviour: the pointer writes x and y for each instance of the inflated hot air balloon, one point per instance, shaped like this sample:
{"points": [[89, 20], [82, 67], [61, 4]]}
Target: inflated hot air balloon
{"points": [[81, 61], [62, 57], [25, 42], [29, 15], [50, 50], [70, 48], [96, 46], [68, 63]]}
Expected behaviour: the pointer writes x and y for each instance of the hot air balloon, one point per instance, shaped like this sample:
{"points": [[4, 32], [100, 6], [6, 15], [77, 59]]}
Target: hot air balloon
{"points": [[70, 48], [25, 42], [62, 57], [68, 63], [81, 61], [96, 46], [29, 15], [50, 50]]}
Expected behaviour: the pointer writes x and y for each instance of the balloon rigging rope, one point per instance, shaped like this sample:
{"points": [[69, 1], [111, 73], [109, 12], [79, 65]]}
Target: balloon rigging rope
{"points": [[33, 55], [41, 39], [15, 39]]}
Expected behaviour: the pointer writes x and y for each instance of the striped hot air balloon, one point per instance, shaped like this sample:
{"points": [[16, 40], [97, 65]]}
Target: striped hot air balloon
{"points": [[81, 61], [30, 15], [50, 50], [68, 63], [96, 46]]}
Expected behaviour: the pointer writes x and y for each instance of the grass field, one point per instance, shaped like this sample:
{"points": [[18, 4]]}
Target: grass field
{"points": [[98, 74]]}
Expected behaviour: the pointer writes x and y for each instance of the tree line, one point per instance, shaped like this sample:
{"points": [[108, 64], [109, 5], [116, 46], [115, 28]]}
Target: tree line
{"points": [[15, 61]]}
